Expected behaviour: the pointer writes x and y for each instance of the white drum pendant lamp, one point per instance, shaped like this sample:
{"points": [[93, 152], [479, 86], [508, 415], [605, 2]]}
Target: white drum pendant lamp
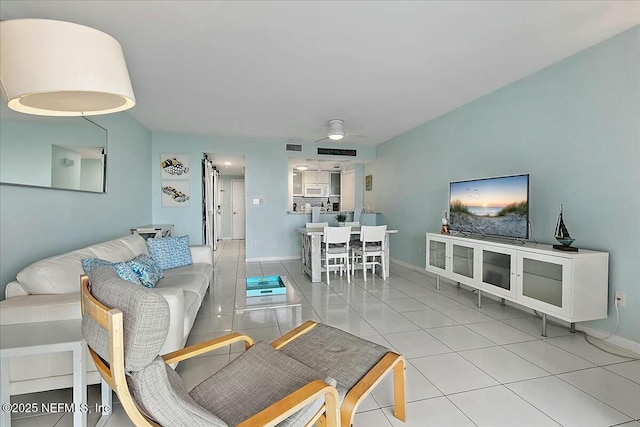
{"points": [[56, 68]]}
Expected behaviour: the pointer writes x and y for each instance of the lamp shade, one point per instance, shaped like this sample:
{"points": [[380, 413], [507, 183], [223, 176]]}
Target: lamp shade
{"points": [[56, 68]]}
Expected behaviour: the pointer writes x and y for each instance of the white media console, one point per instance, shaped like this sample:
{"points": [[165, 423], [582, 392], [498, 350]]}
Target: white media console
{"points": [[571, 286]]}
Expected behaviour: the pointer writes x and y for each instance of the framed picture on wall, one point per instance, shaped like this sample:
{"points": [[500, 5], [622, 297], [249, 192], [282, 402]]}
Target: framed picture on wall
{"points": [[174, 166], [175, 194], [368, 182]]}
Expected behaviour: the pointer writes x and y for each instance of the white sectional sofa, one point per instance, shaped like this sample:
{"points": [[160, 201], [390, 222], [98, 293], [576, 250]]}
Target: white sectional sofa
{"points": [[49, 290]]}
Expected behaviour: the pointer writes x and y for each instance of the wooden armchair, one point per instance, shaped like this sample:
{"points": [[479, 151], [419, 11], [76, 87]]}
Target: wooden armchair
{"points": [[125, 326]]}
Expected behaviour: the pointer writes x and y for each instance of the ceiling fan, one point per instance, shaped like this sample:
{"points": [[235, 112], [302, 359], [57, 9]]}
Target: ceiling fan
{"points": [[335, 131]]}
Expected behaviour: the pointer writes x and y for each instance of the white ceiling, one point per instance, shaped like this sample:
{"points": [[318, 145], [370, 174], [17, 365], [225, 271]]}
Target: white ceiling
{"points": [[281, 69], [228, 164]]}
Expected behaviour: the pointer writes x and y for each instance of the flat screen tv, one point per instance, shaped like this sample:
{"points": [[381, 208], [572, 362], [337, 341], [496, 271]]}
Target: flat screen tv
{"points": [[491, 206]]}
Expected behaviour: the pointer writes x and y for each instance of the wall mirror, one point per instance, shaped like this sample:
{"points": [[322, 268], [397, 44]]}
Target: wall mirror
{"points": [[67, 153]]}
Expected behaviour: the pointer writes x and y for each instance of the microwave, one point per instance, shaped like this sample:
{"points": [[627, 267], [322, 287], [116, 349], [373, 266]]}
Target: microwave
{"points": [[316, 190]]}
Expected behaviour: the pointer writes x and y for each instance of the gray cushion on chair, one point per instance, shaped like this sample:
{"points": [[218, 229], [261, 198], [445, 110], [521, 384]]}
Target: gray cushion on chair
{"points": [[338, 354], [255, 380], [159, 393], [146, 318]]}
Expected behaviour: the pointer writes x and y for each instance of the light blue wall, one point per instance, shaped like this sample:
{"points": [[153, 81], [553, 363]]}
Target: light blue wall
{"points": [[573, 126], [36, 223], [270, 230]]}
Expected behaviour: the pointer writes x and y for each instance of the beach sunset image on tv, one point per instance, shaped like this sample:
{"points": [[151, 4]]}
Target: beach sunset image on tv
{"points": [[491, 206]]}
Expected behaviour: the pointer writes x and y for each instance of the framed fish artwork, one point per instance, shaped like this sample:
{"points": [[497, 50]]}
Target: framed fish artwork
{"points": [[174, 166], [175, 194]]}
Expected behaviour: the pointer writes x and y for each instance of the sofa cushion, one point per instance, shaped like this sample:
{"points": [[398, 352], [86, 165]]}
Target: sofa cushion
{"points": [[136, 243], [113, 250], [59, 274], [196, 283], [170, 252]]}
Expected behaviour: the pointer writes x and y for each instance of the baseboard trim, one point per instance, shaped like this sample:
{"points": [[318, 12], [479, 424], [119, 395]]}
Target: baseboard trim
{"points": [[409, 266], [274, 258], [615, 340]]}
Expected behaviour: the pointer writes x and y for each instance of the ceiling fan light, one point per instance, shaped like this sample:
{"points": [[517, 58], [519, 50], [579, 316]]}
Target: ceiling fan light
{"points": [[302, 167], [336, 136], [56, 68]]}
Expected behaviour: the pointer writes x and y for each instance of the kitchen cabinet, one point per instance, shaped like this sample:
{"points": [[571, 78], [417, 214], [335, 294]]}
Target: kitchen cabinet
{"points": [[297, 183], [571, 286], [316, 177], [334, 184]]}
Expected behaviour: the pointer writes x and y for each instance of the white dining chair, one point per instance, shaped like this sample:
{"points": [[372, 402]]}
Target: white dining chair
{"points": [[336, 247], [317, 225], [371, 245]]}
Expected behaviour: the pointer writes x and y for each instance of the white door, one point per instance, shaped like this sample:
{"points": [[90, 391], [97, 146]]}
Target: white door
{"points": [[237, 203]]}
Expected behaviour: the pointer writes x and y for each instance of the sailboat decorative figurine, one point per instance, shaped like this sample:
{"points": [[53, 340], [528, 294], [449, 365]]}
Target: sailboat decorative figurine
{"points": [[562, 235]]}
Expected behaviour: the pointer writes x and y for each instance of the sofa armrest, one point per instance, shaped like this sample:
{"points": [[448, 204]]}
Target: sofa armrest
{"points": [[202, 254], [175, 299], [40, 308], [15, 289]]}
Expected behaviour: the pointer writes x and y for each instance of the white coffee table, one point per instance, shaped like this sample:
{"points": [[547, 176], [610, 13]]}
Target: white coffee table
{"points": [[27, 339]]}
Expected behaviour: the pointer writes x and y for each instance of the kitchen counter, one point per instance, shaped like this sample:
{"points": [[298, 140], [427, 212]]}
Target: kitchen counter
{"points": [[369, 218], [332, 212]]}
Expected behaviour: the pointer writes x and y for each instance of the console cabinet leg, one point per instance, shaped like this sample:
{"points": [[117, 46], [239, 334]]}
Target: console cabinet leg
{"points": [[572, 328], [502, 302], [479, 298], [544, 325]]}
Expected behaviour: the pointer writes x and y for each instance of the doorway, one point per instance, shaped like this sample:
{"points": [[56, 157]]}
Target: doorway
{"points": [[237, 206], [226, 211]]}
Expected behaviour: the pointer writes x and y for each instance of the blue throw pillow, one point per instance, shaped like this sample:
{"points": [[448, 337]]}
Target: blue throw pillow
{"points": [[125, 272], [170, 252], [147, 270], [122, 268], [89, 263]]}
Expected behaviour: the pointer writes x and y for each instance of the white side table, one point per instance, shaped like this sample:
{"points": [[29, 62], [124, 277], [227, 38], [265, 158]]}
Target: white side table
{"points": [[153, 231], [49, 337]]}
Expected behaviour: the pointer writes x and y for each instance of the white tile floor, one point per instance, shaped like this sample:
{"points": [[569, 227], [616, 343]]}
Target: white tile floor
{"points": [[466, 366]]}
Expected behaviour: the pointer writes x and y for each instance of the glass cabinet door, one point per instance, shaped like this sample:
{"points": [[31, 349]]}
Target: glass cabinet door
{"points": [[437, 254], [544, 282], [463, 260], [498, 270]]}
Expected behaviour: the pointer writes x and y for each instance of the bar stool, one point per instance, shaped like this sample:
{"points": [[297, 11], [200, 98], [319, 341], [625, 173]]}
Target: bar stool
{"points": [[371, 245], [336, 247]]}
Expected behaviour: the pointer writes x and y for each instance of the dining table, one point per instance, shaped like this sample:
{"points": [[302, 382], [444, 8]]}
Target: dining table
{"points": [[311, 254]]}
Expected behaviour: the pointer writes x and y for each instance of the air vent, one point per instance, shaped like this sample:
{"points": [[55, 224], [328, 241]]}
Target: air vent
{"points": [[294, 147], [337, 152]]}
